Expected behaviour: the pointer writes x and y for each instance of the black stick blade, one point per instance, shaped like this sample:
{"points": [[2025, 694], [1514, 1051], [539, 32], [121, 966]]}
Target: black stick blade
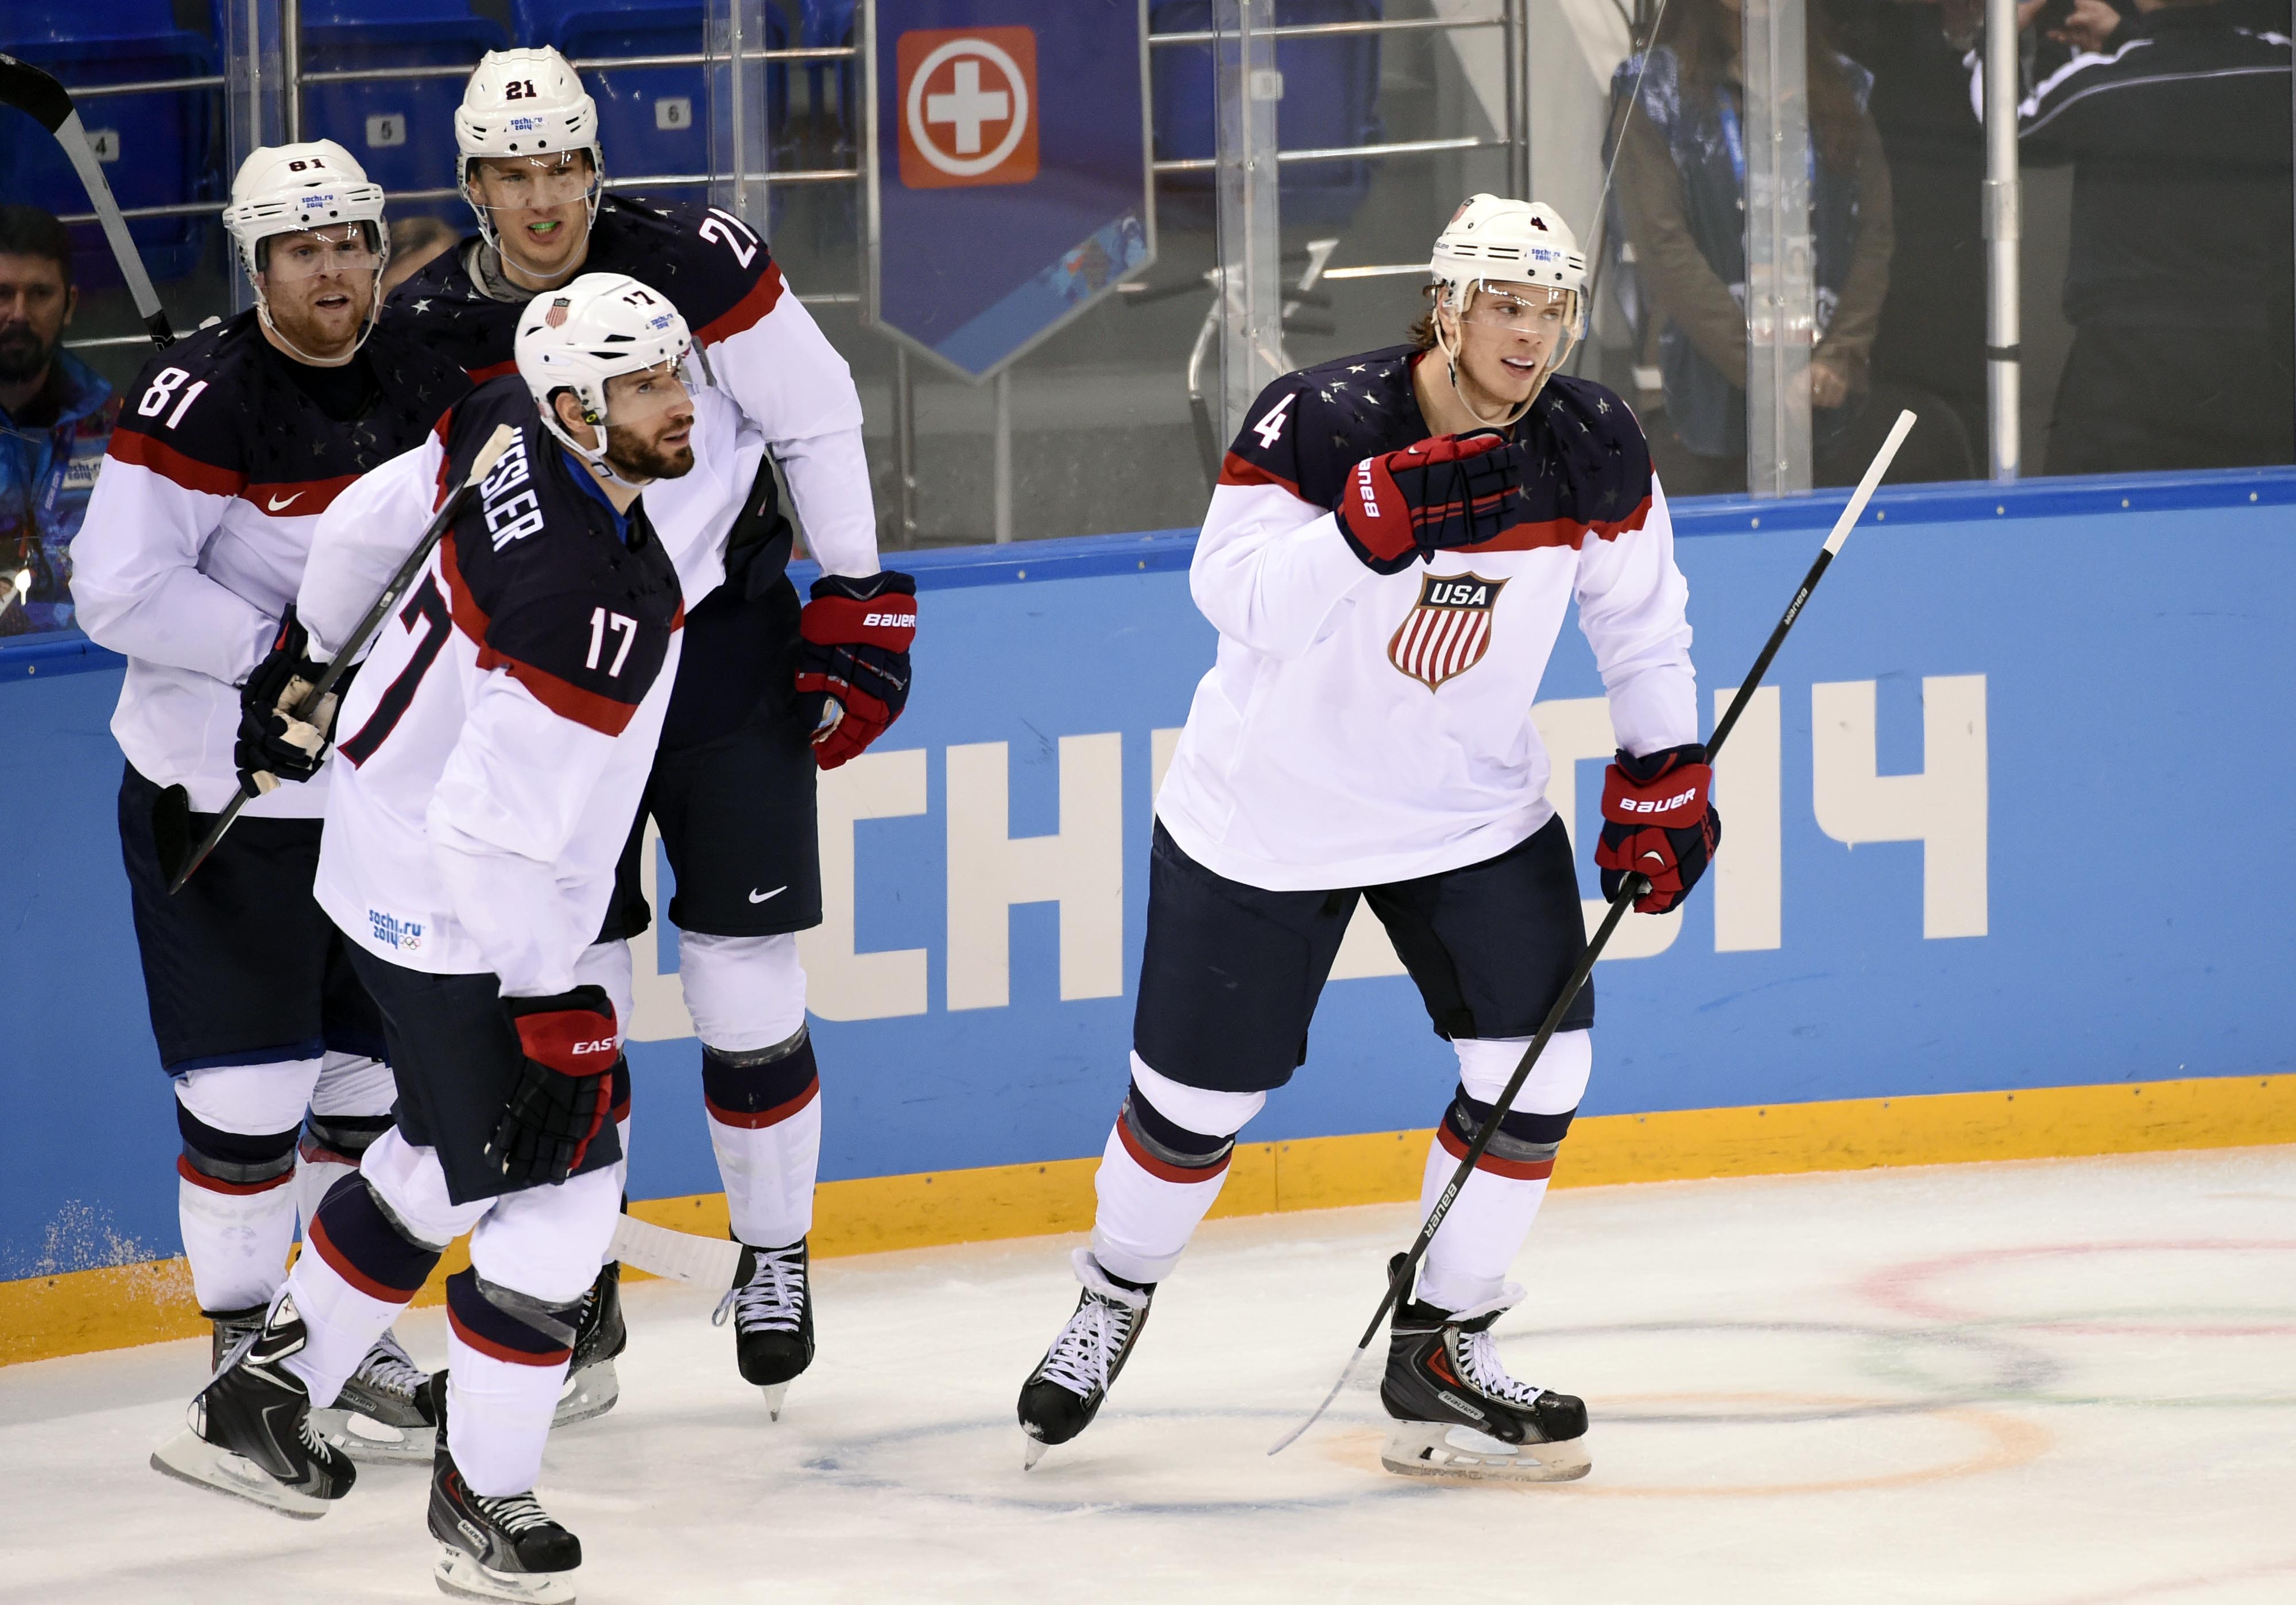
{"points": [[171, 831], [34, 93]]}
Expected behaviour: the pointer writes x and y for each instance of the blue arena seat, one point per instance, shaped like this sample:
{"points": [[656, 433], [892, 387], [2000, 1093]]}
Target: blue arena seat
{"points": [[650, 119], [402, 130], [158, 149], [1331, 99]]}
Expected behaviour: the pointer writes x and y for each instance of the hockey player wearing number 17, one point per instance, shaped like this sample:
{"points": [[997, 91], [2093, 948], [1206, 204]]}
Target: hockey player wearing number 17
{"points": [[1388, 555]]}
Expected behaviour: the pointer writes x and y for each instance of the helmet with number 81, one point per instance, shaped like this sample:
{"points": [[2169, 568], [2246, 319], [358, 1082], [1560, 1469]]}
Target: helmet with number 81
{"points": [[598, 328], [307, 226], [1509, 263], [527, 132]]}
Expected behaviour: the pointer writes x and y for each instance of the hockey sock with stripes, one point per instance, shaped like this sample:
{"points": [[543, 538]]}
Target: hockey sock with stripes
{"points": [[234, 1193], [507, 1358], [1466, 1266], [764, 1123], [1161, 1171], [360, 1268], [350, 1107]]}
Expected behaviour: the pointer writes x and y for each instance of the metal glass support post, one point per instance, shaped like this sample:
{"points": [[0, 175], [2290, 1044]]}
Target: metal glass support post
{"points": [[1251, 291], [739, 155], [1781, 294], [2004, 229], [905, 450], [1004, 389], [255, 98], [291, 66], [1517, 132]]}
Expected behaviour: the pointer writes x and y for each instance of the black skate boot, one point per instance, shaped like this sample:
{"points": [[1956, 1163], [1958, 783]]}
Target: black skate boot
{"points": [[1458, 1414], [250, 1434], [1064, 1392], [599, 1335], [232, 1328], [495, 1548], [771, 1302], [383, 1411]]}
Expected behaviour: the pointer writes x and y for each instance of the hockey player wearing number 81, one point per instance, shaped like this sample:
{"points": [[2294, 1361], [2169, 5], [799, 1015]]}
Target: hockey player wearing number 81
{"points": [[733, 790], [235, 441], [1387, 557]]}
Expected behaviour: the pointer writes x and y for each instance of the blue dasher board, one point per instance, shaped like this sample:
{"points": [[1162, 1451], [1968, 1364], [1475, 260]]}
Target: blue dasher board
{"points": [[1010, 183]]}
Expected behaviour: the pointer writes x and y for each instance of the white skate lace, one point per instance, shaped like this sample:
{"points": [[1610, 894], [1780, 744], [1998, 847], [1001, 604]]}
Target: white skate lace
{"points": [[389, 1369], [1080, 1355], [1478, 1358], [773, 1297], [308, 1431], [512, 1512]]}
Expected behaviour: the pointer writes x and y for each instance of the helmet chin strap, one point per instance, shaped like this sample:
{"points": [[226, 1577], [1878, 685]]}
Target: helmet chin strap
{"points": [[373, 317], [1513, 416], [593, 456]]}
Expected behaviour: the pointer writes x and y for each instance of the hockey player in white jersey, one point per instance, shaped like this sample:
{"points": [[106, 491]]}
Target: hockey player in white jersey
{"points": [[238, 438], [734, 788], [493, 746], [1390, 551]]}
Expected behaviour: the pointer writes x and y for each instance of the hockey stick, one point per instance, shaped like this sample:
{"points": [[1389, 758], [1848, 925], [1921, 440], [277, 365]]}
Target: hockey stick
{"points": [[680, 1255], [38, 95], [1632, 887], [168, 830]]}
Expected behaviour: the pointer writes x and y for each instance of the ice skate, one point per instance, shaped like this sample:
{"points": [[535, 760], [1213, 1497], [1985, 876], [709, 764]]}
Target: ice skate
{"points": [[383, 1411], [493, 1548], [599, 1335], [1459, 1415], [1064, 1392], [250, 1434], [771, 1302]]}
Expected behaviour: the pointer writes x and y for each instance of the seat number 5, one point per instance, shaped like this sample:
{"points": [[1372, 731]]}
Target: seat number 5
{"points": [[1270, 428]]}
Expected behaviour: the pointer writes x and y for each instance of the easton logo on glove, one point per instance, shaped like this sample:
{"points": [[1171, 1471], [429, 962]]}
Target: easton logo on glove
{"points": [[560, 1101], [1657, 823], [853, 651]]}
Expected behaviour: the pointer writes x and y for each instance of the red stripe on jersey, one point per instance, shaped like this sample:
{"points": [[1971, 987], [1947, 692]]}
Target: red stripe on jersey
{"points": [[1514, 1170], [145, 452], [493, 370], [1563, 532], [1235, 471], [300, 499], [747, 313]]}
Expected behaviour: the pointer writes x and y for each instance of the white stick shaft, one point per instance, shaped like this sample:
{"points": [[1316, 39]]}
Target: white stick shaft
{"points": [[1873, 472], [680, 1255]]}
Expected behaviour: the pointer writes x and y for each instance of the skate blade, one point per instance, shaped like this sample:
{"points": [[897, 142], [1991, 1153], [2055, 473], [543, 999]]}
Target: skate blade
{"points": [[590, 1393], [1432, 1449], [190, 1458], [364, 1438], [459, 1575], [775, 1394], [1032, 1451]]}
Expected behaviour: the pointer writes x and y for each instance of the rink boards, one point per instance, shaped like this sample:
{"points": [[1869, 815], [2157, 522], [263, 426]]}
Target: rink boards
{"points": [[2004, 876]]}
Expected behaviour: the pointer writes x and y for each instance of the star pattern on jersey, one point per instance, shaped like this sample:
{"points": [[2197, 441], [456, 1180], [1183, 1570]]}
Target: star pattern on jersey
{"points": [[423, 306]]}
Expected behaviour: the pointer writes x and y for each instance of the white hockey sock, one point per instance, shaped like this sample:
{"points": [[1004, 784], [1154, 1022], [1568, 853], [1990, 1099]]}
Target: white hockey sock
{"points": [[343, 1323], [236, 1242], [234, 1198], [498, 1416], [1467, 1263], [1161, 1171], [770, 1174], [349, 1107]]}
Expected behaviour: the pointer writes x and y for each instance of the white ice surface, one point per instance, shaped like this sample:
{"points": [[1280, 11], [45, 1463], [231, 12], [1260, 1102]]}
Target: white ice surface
{"points": [[2063, 1383]]}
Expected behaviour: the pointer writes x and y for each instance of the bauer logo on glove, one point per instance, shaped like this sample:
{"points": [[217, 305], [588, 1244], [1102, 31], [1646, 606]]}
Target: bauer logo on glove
{"points": [[1657, 823], [853, 653]]}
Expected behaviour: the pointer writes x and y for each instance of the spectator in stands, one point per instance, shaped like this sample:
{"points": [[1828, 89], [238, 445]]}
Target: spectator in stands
{"points": [[1681, 191], [2181, 275], [55, 420], [413, 242]]}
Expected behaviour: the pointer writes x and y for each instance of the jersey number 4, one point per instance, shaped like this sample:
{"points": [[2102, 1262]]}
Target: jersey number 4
{"points": [[426, 609], [1270, 427]]}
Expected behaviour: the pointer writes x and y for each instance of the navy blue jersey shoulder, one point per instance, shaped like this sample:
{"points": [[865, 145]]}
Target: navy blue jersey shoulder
{"points": [[442, 306], [542, 577], [221, 410]]}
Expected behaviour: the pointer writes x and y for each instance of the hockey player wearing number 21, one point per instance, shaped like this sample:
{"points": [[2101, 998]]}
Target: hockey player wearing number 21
{"points": [[1389, 556], [493, 749], [767, 693], [233, 443]]}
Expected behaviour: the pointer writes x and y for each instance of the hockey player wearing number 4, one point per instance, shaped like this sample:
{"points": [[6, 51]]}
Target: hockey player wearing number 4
{"points": [[236, 439], [767, 691], [1391, 548]]}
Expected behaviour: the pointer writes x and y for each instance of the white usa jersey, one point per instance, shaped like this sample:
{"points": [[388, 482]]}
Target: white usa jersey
{"points": [[196, 534], [1359, 729], [494, 746]]}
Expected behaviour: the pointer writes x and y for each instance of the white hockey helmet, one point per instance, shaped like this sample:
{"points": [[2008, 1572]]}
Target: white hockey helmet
{"points": [[525, 103], [293, 188], [597, 327], [1493, 240]]}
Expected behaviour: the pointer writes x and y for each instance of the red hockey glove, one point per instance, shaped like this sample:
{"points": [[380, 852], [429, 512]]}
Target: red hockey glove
{"points": [[275, 742], [1439, 495], [1658, 824], [854, 651], [564, 1088]]}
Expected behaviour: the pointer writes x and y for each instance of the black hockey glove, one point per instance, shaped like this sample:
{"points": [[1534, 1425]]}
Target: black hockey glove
{"points": [[854, 651], [1441, 494], [564, 1090], [278, 741], [1657, 823]]}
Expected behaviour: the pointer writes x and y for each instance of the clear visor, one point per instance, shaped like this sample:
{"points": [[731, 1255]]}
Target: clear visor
{"points": [[342, 248], [533, 183], [642, 400], [1527, 307]]}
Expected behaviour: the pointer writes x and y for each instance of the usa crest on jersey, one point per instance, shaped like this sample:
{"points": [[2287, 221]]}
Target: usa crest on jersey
{"points": [[1447, 630]]}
